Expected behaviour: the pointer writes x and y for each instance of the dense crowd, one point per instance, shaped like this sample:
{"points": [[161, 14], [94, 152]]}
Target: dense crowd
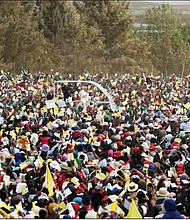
{"points": [[65, 154]]}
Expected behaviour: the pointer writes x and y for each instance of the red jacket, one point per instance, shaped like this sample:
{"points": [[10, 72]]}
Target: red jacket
{"points": [[61, 178], [44, 140]]}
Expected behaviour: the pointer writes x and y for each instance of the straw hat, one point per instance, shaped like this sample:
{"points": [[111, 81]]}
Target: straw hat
{"points": [[64, 166], [185, 118], [156, 126], [133, 187], [162, 192]]}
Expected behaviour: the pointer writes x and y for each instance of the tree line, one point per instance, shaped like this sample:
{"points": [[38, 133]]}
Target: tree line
{"points": [[100, 36]]}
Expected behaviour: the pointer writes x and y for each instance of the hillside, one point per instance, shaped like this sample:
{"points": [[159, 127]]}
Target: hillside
{"points": [[139, 8]]}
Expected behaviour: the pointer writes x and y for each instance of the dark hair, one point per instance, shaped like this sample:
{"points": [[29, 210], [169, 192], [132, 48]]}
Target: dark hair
{"points": [[34, 129], [82, 213], [43, 213], [86, 200], [45, 190]]}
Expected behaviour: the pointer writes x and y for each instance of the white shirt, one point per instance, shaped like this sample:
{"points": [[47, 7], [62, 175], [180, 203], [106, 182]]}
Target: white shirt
{"points": [[34, 138]]}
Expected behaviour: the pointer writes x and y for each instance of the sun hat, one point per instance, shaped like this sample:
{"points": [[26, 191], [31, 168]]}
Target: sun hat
{"points": [[172, 118], [117, 137], [55, 165], [91, 214], [116, 165], [162, 192], [64, 165], [156, 126], [185, 118], [133, 187]]}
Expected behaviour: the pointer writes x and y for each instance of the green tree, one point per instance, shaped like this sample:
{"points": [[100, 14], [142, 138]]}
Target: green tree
{"points": [[67, 29], [113, 20], [23, 42], [163, 34]]}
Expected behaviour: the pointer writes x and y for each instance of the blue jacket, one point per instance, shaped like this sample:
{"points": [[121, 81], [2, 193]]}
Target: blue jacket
{"points": [[171, 210]]}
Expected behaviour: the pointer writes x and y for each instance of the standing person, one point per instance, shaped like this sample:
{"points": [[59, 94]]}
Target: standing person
{"points": [[66, 92], [50, 95], [34, 138]]}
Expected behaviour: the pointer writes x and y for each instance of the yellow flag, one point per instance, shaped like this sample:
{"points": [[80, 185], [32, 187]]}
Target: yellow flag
{"points": [[73, 143], [101, 176], [19, 207], [41, 160], [76, 164], [28, 147], [49, 183], [75, 180], [117, 114], [46, 83], [12, 118], [23, 108], [186, 106], [4, 205], [90, 140], [134, 92], [95, 139], [13, 135], [72, 121], [135, 128], [113, 206], [23, 190], [147, 181], [17, 129], [139, 82], [70, 156], [56, 110], [23, 165], [133, 211]]}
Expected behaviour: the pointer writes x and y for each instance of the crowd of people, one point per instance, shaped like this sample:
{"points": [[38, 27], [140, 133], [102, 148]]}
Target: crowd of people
{"points": [[64, 153]]}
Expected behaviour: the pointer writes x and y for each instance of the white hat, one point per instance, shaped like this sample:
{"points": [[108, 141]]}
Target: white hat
{"points": [[162, 192], [133, 187], [64, 165], [185, 118], [117, 137], [97, 144], [145, 146], [55, 165], [151, 108], [91, 214], [156, 126]]}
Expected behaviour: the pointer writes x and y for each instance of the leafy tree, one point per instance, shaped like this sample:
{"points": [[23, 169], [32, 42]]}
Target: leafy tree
{"points": [[23, 42], [66, 29], [113, 20], [163, 34]]}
